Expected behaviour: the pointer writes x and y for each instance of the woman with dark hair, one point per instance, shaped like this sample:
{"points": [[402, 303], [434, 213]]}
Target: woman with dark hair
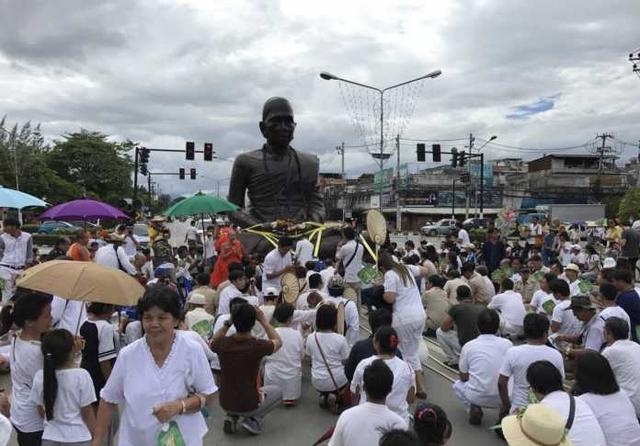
{"points": [[431, 424], [403, 392], [64, 393], [401, 290], [31, 314], [161, 381], [596, 385], [328, 350], [100, 345]]}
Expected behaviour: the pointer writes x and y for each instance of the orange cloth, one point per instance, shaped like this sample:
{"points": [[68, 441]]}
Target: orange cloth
{"points": [[79, 253], [229, 250]]}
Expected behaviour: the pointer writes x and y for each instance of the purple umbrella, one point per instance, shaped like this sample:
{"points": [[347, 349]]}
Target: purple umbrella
{"points": [[82, 209]]}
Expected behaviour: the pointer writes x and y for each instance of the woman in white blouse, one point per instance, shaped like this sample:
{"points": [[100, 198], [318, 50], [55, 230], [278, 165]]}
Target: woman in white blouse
{"points": [[401, 290], [161, 381]]}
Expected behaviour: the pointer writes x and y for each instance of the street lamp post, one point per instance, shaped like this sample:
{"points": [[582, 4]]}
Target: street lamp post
{"points": [[332, 77], [481, 215], [15, 156]]}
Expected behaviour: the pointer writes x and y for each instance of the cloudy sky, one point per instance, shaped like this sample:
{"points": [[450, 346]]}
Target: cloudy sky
{"points": [[541, 75]]}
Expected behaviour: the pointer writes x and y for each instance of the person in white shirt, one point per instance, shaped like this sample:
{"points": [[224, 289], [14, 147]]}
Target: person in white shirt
{"points": [[480, 361], [277, 262], [451, 286], [63, 393], [572, 273], [304, 250], [596, 385], [284, 367], [16, 252], [535, 233], [114, 256], [351, 315], [565, 249], [624, 357], [197, 318], [68, 314], [191, 236], [315, 285], [410, 250], [385, 343], [511, 308], [546, 384], [563, 322], [364, 424], [463, 235], [130, 241], [350, 254], [489, 288], [543, 301], [518, 359], [607, 301], [327, 273], [237, 286], [592, 335]]}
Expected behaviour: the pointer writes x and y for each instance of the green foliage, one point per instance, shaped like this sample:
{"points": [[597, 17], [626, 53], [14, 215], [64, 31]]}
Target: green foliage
{"points": [[45, 239], [630, 204], [477, 235]]}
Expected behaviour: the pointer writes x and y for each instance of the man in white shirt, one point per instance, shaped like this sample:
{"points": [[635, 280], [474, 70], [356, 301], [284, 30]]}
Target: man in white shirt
{"points": [[327, 273], [113, 255], [489, 288], [572, 272], [315, 285], [130, 243], [364, 424], [563, 321], [463, 235], [624, 357], [479, 291], [197, 318], [518, 359], [191, 237], [277, 262], [304, 251], [238, 285], [350, 254], [16, 252], [543, 301], [336, 288], [511, 308], [210, 253], [608, 294], [480, 362], [68, 314], [592, 335]]}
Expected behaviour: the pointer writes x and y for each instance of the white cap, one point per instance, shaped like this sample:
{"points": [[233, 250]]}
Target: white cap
{"points": [[197, 299], [609, 262], [270, 291]]}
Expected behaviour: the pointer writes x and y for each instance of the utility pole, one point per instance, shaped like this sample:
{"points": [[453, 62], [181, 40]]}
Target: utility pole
{"points": [[135, 177], [638, 166], [601, 151], [471, 140], [398, 208], [340, 150]]}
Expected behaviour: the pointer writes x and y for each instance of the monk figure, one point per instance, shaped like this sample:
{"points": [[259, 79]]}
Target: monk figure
{"points": [[281, 182]]}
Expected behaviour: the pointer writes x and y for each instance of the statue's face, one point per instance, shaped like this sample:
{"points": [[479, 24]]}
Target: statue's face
{"points": [[278, 126]]}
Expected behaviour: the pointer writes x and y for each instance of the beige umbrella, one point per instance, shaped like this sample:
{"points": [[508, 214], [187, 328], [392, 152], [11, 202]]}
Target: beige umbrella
{"points": [[86, 281], [290, 287]]}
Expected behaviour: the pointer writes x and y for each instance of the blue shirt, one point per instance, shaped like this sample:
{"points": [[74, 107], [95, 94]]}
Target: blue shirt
{"points": [[629, 301]]}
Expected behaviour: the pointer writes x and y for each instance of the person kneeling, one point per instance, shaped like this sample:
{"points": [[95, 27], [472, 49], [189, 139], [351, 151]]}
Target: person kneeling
{"points": [[240, 356]]}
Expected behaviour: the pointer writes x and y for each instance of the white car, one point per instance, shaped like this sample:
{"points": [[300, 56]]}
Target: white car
{"points": [[141, 234]]}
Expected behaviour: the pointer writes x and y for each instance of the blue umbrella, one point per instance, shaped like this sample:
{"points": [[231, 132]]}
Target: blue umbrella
{"points": [[10, 198]]}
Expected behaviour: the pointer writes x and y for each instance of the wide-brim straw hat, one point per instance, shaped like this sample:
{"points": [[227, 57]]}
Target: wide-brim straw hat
{"points": [[539, 425], [376, 226]]}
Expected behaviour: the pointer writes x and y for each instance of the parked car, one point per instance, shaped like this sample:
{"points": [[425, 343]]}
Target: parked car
{"points": [[441, 227], [53, 226], [525, 219], [90, 226], [475, 223], [141, 234]]}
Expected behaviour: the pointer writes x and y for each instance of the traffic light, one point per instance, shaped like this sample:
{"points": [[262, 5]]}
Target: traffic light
{"points": [[143, 169], [208, 151], [454, 157], [435, 150], [420, 149], [193, 173], [462, 158], [191, 150], [144, 155], [181, 173]]}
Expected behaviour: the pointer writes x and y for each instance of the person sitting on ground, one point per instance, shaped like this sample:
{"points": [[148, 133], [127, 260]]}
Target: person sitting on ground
{"points": [[624, 357], [543, 301], [315, 285], [518, 359], [435, 302], [628, 299], [364, 348], [476, 283], [431, 424], [511, 308], [596, 385], [283, 369], [451, 286], [399, 437], [197, 318], [489, 287], [459, 326], [237, 287], [364, 424], [526, 286], [240, 356], [480, 361], [592, 335], [403, 392], [546, 384], [210, 295], [607, 302], [336, 289], [563, 321], [328, 351]]}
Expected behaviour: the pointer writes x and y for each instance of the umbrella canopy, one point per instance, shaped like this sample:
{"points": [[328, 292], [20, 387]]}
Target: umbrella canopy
{"points": [[200, 204], [11, 198], [82, 209], [86, 281]]}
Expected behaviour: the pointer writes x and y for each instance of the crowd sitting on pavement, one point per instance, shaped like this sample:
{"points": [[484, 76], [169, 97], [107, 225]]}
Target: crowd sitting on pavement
{"points": [[543, 330]]}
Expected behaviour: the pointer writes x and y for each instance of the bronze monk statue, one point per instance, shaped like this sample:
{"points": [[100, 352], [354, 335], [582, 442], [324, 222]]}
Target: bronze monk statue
{"points": [[282, 183]]}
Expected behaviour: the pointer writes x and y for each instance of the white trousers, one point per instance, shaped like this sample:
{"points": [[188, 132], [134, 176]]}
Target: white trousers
{"points": [[8, 276], [450, 344], [469, 397], [410, 336]]}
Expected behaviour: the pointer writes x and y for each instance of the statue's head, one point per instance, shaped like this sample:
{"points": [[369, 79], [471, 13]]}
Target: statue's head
{"points": [[277, 125]]}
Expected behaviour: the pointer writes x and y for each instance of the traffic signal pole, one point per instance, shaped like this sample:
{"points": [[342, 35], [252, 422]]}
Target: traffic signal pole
{"points": [[135, 177]]}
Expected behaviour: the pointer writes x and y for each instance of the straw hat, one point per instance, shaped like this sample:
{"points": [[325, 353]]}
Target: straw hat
{"points": [[539, 425], [376, 226], [197, 299], [572, 267]]}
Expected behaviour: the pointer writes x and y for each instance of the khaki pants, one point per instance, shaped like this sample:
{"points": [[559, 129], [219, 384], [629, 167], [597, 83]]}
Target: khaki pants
{"points": [[355, 286]]}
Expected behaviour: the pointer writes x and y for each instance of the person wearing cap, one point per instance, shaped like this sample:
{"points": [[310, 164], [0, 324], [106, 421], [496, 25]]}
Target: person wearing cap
{"points": [[197, 318], [539, 425], [114, 256], [577, 256], [572, 273], [564, 248], [336, 288], [592, 335]]}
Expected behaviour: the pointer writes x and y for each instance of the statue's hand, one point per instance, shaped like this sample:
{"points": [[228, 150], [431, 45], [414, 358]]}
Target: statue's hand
{"points": [[243, 219]]}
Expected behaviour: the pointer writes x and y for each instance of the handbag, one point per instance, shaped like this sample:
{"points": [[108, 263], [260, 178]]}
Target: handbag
{"points": [[343, 396], [342, 268]]}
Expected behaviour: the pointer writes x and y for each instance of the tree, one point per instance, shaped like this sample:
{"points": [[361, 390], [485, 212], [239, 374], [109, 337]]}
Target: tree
{"points": [[630, 205], [97, 166]]}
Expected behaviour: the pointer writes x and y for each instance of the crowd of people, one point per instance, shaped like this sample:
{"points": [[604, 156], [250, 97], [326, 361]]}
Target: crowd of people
{"points": [[543, 328]]}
